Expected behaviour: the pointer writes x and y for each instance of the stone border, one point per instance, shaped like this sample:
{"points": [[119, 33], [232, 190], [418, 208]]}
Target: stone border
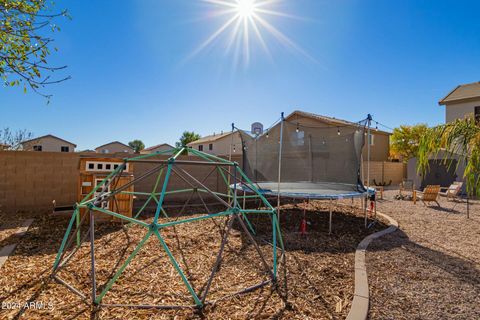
{"points": [[360, 303], [6, 251]]}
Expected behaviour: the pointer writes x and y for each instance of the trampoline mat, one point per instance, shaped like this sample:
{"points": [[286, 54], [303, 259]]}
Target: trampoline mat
{"points": [[310, 190]]}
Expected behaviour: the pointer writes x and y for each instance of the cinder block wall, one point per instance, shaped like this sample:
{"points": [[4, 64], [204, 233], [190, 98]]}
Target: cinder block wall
{"points": [[384, 171], [30, 181]]}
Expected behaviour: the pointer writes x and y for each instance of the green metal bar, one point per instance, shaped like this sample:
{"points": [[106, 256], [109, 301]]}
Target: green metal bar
{"points": [[136, 193], [161, 208], [121, 216], [143, 207], [217, 193], [157, 193], [250, 226], [249, 197], [65, 237], [179, 270], [173, 223], [255, 189], [152, 154], [210, 156], [77, 220], [164, 189], [255, 211], [122, 268], [176, 155]]}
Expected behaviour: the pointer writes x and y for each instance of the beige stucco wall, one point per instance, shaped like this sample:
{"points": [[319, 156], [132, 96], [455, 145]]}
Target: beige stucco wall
{"points": [[159, 149], [114, 148], [49, 144], [460, 110], [222, 145], [379, 151]]}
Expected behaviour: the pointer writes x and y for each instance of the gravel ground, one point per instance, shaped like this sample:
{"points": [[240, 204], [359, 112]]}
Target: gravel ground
{"points": [[430, 268]]}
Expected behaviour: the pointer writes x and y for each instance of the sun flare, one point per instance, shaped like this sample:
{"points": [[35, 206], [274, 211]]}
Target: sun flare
{"points": [[246, 23], [246, 8]]}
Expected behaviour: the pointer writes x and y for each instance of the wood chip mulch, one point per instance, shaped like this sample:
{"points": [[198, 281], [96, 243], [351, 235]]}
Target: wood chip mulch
{"points": [[319, 269]]}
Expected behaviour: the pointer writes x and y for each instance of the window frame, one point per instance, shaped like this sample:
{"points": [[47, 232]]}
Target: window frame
{"points": [[210, 146], [66, 147], [371, 140], [37, 148], [200, 147]]}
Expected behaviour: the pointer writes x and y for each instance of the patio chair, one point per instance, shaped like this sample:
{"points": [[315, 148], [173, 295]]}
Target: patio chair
{"points": [[429, 194], [407, 185], [452, 192]]}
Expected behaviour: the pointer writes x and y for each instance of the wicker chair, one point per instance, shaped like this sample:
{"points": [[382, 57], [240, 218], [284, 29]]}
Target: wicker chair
{"points": [[429, 194]]}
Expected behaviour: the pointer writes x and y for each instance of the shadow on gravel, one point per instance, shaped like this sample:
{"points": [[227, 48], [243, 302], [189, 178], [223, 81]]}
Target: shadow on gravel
{"points": [[458, 266]]}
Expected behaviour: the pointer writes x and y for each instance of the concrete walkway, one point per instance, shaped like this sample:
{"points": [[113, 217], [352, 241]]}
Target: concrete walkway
{"points": [[7, 250]]}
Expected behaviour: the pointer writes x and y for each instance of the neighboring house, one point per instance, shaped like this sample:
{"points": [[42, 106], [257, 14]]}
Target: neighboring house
{"points": [[48, 143], [462, 101], [4, 146], [114, 147], [157, 148], [219, 144], [379, 142]]}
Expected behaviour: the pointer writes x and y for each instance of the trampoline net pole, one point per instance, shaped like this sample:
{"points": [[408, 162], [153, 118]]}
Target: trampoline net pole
{"points": [[280, 149]]}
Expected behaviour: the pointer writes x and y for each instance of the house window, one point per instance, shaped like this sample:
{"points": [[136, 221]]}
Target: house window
{"points": [[64, 149], [477, 114], [200, 147], [37, 148], [372, 139], [105, 151], [210, 146]]}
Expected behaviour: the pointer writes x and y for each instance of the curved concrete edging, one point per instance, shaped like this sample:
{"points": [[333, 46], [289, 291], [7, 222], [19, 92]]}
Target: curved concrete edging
{"points": [[360, 303]]}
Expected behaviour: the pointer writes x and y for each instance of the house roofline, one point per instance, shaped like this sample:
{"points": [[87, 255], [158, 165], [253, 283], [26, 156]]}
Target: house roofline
{"points": [[106, 144], [157, 146], [334, 121], [47, 136]]}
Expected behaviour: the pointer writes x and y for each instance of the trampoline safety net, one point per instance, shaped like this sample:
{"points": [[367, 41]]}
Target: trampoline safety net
{"points": [[322, 157]]}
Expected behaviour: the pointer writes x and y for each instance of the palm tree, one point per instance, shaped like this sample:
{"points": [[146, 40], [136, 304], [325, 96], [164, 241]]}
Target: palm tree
{"points": [[461, 139]]}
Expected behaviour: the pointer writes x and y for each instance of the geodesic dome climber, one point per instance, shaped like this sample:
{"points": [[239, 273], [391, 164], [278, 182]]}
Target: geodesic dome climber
{"points": [[230, 211]]}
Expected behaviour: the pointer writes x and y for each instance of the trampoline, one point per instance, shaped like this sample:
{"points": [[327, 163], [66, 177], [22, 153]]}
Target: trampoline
{"points": [[309, 190], [303, 159]]}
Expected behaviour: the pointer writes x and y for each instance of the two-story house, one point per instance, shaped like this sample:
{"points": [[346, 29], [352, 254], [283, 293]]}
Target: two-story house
{"points": [[48, 143], [462, 101]]}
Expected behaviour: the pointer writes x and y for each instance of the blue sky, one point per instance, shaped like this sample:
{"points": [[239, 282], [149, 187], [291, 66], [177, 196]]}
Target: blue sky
{"points": [[132, 77]]}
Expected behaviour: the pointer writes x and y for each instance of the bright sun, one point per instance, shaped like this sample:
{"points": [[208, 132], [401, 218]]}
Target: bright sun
{"points": [[246, 8], [246, 22]]}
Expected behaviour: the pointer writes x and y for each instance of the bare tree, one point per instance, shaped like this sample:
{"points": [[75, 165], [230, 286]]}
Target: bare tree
{"points": [[12, 140]]}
